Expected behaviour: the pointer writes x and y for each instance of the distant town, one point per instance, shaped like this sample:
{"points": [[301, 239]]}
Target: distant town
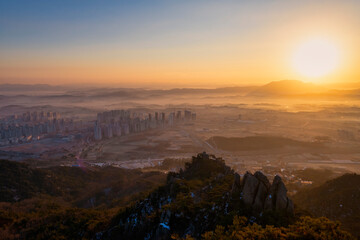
{"points": [[33, 126], [123, 122]]}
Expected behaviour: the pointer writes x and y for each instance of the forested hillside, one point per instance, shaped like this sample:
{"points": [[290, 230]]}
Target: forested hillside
{"points": [[337, 199]]}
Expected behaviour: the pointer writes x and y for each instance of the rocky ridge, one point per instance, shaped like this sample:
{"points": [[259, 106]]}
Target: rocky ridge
{"points": [[257, 193], [207, 193]]}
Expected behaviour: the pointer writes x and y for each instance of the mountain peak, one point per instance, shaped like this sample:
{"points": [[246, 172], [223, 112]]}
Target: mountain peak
{"points": [[203, 195], [286, 88]]}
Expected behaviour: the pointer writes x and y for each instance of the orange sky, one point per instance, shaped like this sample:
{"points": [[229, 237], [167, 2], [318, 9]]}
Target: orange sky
{"points": [[172, 44]]}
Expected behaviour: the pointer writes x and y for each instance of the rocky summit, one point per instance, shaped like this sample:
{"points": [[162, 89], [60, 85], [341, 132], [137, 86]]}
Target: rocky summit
{"points": [[257, 192], [205, 194]]}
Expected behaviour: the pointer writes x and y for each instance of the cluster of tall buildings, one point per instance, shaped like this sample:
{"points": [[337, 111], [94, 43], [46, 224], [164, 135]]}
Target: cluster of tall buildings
{"points": [[33, 117], [36, 125], [29, 126], [123, 122]]}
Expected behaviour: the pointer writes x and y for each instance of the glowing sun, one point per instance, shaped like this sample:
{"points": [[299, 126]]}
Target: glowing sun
{"points": [[316, 58]]}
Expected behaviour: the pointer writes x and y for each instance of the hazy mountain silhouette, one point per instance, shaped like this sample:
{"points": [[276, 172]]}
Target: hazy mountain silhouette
{"points": [[286, 88], [283, 88], [29, 87]]}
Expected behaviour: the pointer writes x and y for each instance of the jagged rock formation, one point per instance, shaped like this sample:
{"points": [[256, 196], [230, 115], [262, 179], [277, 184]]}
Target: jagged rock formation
{"points": [[207, 193], [257, 193], [277, 198]]}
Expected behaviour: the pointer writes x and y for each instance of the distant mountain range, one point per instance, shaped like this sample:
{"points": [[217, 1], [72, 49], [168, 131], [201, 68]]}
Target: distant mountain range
{"points": [[30, 87], [258, 143], [294, 88], [284, 88]]}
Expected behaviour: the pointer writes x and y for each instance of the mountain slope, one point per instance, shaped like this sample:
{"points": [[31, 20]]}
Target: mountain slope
{"points": [[337, 199], [286, 88], [207, 193], [257, 143], [206, 200], [85, 187]]}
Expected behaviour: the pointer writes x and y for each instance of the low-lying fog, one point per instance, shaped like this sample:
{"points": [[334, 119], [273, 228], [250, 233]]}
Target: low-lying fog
{"points": [[250, 127]]}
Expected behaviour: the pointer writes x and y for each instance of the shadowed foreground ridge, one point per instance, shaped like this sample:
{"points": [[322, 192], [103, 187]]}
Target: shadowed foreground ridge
{"points": [[207, 200], [195, 200], [344, 203]]}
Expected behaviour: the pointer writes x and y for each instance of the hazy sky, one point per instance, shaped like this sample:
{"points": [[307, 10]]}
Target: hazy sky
{"points": [[171, 43]]}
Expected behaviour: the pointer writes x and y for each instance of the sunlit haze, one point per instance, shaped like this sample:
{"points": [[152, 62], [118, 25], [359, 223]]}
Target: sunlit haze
{"points": [[178, 43], [179, 119], [316, 58]]}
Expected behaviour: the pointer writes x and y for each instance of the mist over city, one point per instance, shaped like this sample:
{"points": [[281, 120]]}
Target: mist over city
{"points": [[179, 120]]}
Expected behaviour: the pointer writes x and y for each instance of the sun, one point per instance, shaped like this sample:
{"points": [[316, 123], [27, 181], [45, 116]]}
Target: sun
{"points": [[316, 58]]}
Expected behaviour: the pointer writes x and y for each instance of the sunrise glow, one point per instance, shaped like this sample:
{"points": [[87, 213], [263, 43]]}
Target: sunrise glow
{"points": [[178, 44], [316, 57]]}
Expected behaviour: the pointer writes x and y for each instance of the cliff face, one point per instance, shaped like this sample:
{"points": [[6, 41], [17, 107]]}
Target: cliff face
{"points": [[257, 193], [207, 193]]}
